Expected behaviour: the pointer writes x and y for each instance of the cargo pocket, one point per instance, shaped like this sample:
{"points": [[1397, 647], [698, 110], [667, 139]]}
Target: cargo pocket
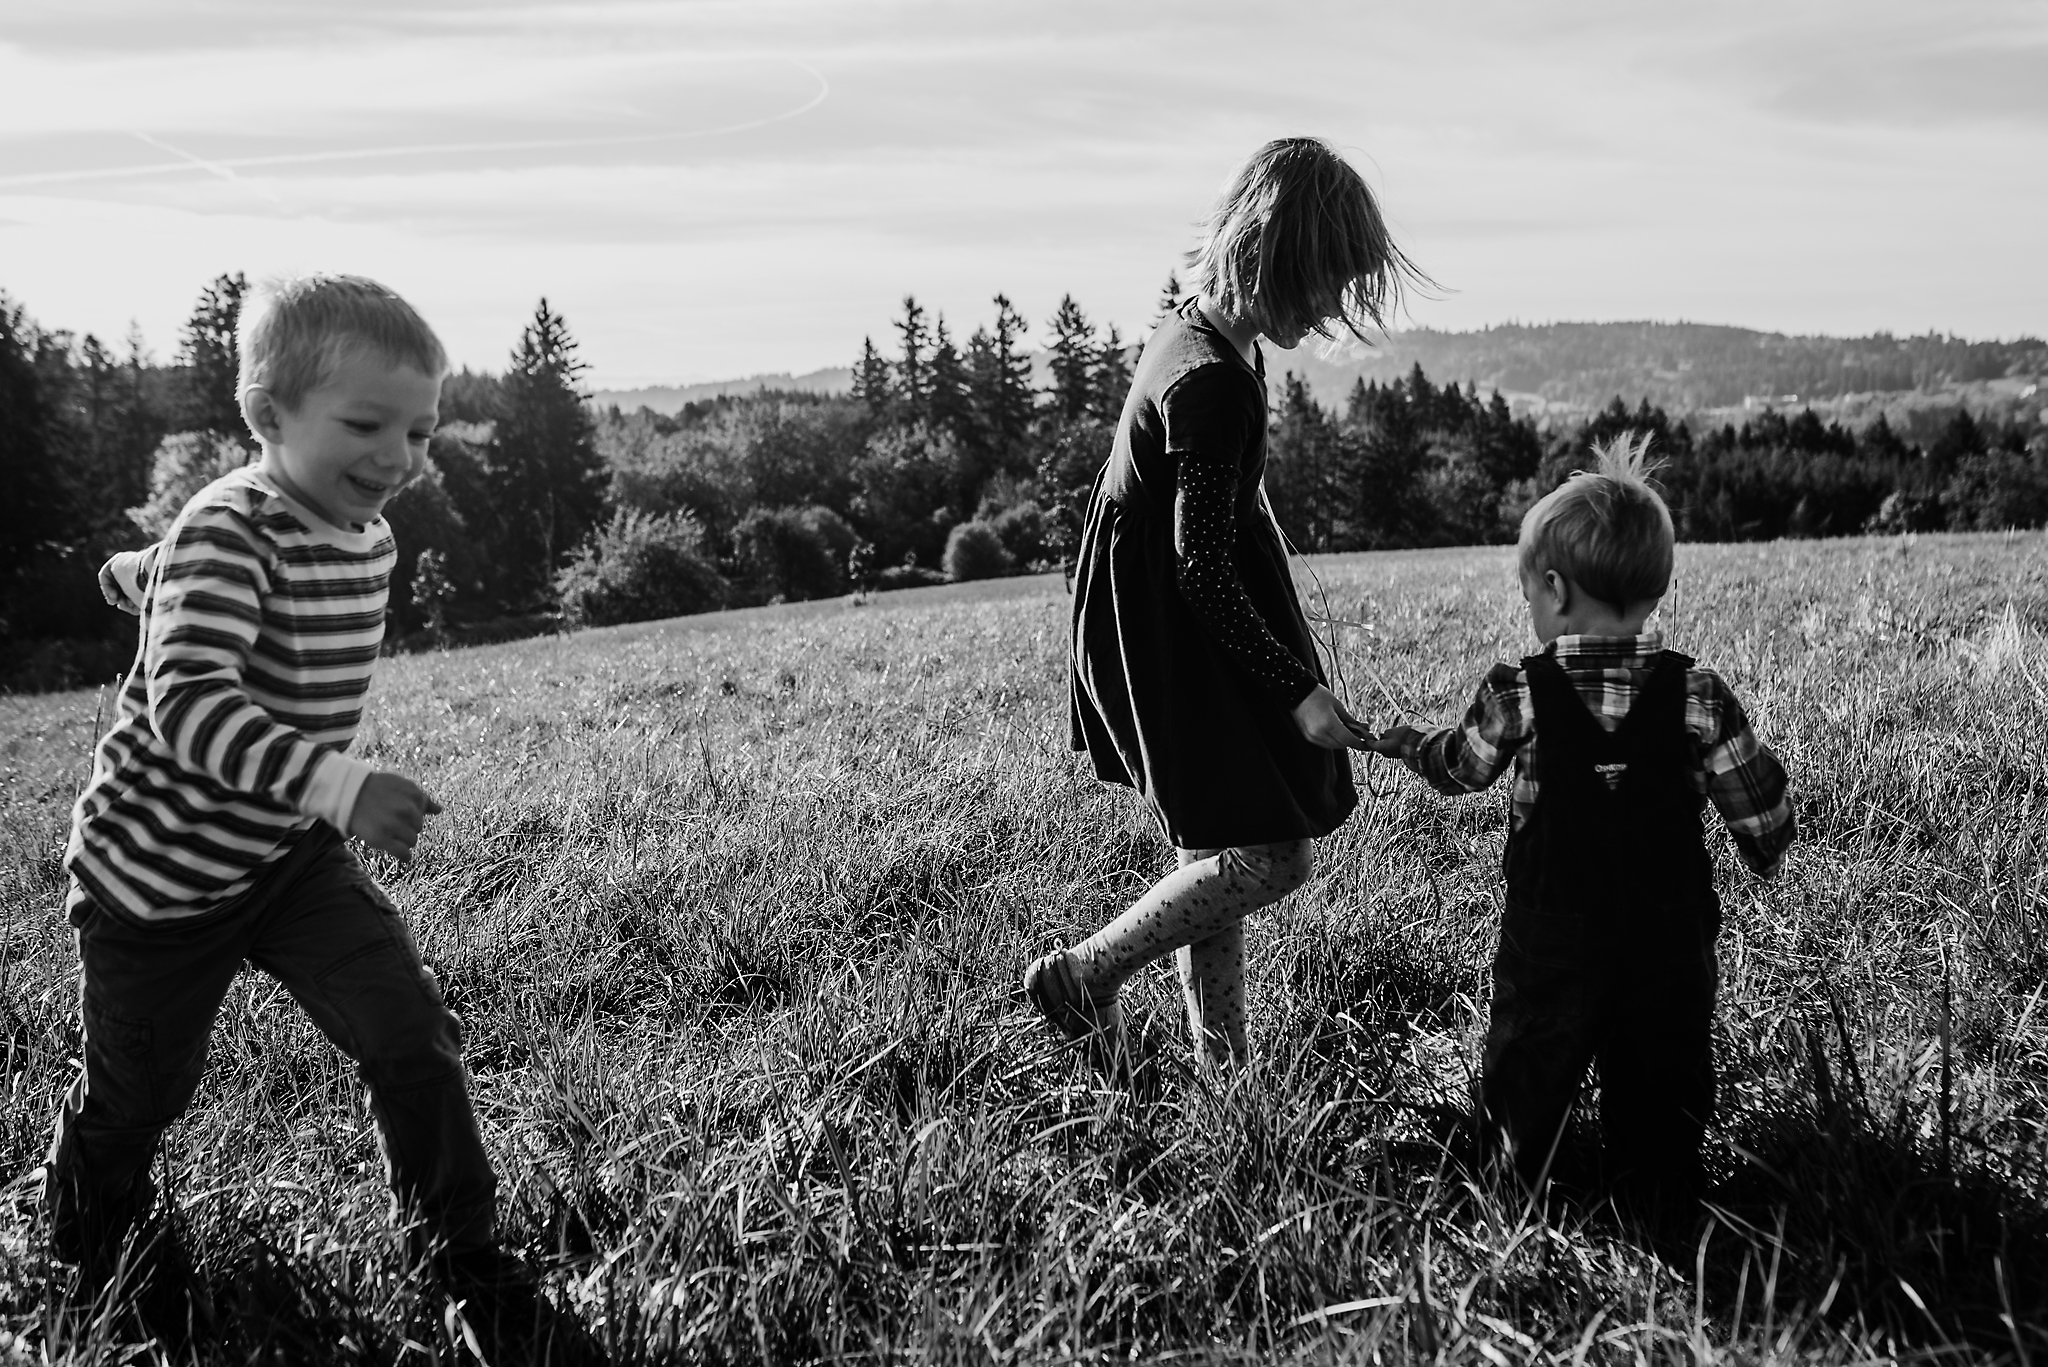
{"points": [[120, 1065]]}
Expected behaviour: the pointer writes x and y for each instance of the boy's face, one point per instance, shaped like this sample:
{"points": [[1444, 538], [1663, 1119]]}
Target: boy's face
{"points": [[353, 442]]}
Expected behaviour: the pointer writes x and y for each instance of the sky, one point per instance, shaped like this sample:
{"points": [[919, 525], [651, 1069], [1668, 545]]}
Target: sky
{"points": [[710, 190]]}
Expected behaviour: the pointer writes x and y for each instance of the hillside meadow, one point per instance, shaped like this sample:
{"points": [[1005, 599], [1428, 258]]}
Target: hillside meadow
{"points": [[733, 909]]}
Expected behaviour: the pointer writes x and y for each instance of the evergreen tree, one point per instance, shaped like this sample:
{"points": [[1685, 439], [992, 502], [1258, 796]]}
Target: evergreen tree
{"points": [[118, 431], [913, 372], [212, 359], [549, 481], [873, 383], [949, 405], [999, 382], [1169, 299], [34, 509], [1303, 471], [1112, 378], [1073, 363]]}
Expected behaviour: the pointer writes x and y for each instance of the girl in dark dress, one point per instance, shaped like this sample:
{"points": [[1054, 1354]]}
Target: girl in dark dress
{"points": [[1195, 678]]}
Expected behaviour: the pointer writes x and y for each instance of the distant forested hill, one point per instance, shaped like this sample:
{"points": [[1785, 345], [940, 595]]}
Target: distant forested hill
{"points": [[1683, 367], [1679, 366]]}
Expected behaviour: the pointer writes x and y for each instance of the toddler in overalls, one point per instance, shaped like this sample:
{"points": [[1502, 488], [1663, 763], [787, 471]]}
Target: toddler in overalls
{"points": [[1607, 944]]}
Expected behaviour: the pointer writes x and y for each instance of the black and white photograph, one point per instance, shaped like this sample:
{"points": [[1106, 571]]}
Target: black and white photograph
{"points": [[929, 681]]}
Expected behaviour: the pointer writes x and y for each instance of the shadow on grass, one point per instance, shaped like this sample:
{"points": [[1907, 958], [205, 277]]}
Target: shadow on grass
{"points": [[1851, 1217]]}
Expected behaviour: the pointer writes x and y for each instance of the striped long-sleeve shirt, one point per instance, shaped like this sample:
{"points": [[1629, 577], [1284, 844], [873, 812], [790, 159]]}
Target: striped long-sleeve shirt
{"points": [[260, 626], [1733, 768]]}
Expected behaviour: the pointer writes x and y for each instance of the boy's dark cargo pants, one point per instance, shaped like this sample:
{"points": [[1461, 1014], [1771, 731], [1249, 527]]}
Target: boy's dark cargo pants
{"points": [[320, 925]]}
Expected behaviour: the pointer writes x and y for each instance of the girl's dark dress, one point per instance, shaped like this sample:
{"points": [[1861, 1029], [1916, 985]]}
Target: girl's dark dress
{"points": [[1190, 648]]}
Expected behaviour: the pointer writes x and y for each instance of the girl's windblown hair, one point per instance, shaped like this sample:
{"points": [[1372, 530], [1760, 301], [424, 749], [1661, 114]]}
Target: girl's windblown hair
{"points": [[1607, 530], [1296, 242]]}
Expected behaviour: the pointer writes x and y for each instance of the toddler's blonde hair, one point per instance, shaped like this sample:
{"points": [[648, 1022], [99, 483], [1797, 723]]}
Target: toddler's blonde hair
{"points": [[295, 329], [1605, 529], [1296, 240]]}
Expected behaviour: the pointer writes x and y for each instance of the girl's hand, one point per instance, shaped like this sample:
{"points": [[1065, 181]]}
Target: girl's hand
{"points": [[1399, 742], [1325, 722]]}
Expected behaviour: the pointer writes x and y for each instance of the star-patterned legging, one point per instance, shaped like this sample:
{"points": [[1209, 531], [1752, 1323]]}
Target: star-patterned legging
{"points": [[1198, 912]]}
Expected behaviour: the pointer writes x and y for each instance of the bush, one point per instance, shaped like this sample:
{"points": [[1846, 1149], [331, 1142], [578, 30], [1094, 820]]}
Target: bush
{"points": [[425, 520], [835, 531], [785, 557], [1021, 529], [905, 481], [907, 577], [638, 568], [185, 463], [974, 551]]}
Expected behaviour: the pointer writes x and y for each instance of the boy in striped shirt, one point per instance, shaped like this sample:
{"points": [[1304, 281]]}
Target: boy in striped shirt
{"points": [[1607, 942], [212, 830]]}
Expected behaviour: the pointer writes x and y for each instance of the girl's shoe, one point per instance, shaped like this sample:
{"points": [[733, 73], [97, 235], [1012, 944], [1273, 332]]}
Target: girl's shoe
{"points": [[1054, 986]]}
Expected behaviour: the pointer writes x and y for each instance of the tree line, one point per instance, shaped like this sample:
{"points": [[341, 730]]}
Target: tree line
{"points": [[949, 459]]}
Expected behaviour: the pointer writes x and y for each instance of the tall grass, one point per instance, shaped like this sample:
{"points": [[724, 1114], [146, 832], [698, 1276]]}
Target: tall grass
{"points": [[732, 909]]}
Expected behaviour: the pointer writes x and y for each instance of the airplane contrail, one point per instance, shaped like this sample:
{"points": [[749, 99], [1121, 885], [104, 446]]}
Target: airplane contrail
{"points": [[226, 166]]}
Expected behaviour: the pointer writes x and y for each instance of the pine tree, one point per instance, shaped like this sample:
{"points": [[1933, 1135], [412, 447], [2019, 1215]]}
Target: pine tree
{"points": [[119, 432], [1169, 299], [1112, 378], [948, 404], [1073, 362], [999, 381], [873, 382], [35, 507], [913, 372], [212, 358], [549, 481]]}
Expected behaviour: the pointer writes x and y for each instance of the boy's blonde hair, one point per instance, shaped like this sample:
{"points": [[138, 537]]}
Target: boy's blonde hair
{"points": [[1605, 529], [295, 329], [1296, 240]]}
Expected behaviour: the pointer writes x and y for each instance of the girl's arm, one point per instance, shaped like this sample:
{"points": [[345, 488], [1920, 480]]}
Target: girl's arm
{"points": [[1208, 427]]}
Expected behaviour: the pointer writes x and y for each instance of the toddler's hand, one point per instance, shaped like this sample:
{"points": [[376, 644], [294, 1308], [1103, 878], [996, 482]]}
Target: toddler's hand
{"points": [[1399, 742], [389, 812], [1324, 721]]}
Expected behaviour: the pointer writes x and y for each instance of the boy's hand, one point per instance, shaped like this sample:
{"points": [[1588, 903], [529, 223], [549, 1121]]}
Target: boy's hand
{"points": [[389, 812], [1399, 742], [1325, 722], [121, 593]]}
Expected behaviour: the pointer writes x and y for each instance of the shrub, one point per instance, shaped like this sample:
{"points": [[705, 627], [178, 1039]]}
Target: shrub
{"points": [[638, 568], [905, 481], [424, 520], [835, 531], [1021, 529], [907, 577], [784, 555], [184, 463], [974, 551]]}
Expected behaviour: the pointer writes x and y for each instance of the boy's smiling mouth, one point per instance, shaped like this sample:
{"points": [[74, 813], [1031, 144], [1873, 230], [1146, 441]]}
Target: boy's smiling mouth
{"points": [[369, 488]]}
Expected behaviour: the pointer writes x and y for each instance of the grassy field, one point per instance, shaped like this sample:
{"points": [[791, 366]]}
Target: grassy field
{"points": [[733, 908]]}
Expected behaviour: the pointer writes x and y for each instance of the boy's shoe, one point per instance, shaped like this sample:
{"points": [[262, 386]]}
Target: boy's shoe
{"points": [[1054, 986], [495, 1305]]}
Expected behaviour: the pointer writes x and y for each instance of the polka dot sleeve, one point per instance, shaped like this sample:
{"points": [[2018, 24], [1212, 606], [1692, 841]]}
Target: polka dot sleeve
{"points": [[1208, 431]]}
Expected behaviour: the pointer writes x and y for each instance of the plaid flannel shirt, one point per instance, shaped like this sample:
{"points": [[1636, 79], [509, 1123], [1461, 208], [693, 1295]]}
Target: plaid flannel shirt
{"points": [[1733, 769]]}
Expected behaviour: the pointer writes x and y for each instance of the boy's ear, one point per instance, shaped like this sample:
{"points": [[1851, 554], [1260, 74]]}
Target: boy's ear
{"points": [[260, 412], [1560, 590]]}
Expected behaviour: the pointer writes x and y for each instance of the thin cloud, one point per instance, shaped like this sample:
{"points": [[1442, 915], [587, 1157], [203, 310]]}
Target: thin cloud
{"points": [[227, 166]]}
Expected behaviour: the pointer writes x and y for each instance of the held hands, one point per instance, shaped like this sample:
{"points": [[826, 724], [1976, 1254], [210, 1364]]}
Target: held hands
{"points": [[1397, 742], [389, 812], [1324, 721]]}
